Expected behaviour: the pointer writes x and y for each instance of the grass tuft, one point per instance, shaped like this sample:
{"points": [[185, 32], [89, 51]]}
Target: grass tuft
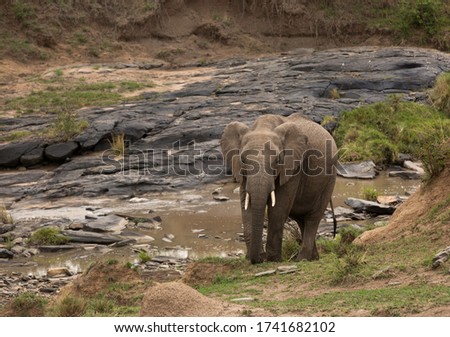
{"points": [[48, 236]]}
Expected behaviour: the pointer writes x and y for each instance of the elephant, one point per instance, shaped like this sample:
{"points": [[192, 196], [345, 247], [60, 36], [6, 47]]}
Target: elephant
{"points": [[284, 164]]}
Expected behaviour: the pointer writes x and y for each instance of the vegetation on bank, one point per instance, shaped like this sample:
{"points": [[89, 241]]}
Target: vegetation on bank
{"points": [[40, 26], [381, 131]]}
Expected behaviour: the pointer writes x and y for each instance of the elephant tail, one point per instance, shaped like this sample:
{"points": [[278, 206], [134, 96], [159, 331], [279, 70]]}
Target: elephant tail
{"points": [[334, 218]]}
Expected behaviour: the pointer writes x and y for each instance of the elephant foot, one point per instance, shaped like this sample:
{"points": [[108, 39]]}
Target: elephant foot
{"points": [[274, 258], [261, 258], [308, 255]]}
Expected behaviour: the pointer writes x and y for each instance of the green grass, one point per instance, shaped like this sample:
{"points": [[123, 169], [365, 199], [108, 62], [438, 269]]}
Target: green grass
{"points": [[28, 304], [5, 216], [48, 236], [383, 130], [389, 301], [56, 98], [369, 193], [440, 93]]}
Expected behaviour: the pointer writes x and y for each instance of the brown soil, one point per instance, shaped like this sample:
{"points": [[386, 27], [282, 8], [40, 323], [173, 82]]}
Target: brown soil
{"points": [[414, 218], [176, 299]]}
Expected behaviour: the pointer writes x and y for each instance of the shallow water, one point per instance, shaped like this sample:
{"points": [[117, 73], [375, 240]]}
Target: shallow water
{"points": [[201, 225]]}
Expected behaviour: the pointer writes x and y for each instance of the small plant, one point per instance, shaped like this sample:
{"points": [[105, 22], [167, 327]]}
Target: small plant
{"points": [[70, 306], [370, 193], [5, 217], [59, 72], [112, 262], [28, 304], [80, 38], [347, 269], [22, 11], [289, 249], [144, 257], [66, 125], [118, 144], [48, 236], [440, 93], [335, 94]]}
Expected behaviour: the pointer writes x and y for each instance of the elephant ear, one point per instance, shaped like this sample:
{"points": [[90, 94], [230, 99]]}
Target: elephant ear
{"points": [[295, 145], [231, 144]]}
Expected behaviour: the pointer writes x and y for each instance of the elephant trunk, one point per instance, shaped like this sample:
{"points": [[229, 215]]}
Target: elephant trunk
{"points": [[259, 189]]}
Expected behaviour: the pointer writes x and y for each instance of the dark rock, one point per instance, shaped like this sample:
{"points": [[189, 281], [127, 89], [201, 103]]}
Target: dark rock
{"points": [[6, 254], [5, 228], [361, 205], [406, 174], [90, 237], [57, 248], [10, 153], [362, 170], [60, 152], [48, 290], [33, 157]]}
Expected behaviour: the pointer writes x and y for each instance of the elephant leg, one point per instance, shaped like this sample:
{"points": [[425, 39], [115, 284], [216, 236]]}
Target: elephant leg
{"points": [[277, 219], [308, 250]]}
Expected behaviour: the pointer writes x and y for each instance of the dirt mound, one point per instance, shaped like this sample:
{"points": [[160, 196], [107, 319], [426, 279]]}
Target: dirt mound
{"points": [[426, 211], [176, 299], [201, 273], [100, 276]]}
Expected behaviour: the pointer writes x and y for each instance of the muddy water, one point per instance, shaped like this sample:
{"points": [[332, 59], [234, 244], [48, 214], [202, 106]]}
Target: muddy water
{"points": [[201, 226]]}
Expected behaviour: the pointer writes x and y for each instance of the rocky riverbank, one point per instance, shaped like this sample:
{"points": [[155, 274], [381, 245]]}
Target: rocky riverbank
{"points": [[101, 200]]}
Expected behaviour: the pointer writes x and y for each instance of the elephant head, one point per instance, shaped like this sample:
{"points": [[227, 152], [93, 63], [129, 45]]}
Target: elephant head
{"points": [[262, 158]]}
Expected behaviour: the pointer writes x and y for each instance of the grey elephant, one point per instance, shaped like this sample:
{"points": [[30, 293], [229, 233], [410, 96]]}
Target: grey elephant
{"points": [[288, 165]]}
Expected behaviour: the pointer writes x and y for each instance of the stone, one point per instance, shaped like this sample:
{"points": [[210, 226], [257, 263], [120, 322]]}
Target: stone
{"points": [[90, 237], [389, 200], [110, 223], [33, 157], [6, 254], [414, 167], [56, 248], [441, 257], [5, 228], [361, 205], [362, 170], [405, 174], [10, 154], [58, 272], [60, 152], [221, 198]]}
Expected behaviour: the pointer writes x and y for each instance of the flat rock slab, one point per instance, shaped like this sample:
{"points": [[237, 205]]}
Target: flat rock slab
{"points": [[405, 174], [90, 237], [266, 273], [362, 170], [109, 223], [60, 152], [361, 205]]}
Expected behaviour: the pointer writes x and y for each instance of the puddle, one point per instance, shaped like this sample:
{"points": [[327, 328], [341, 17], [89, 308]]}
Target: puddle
{"points": [[200, 225]]}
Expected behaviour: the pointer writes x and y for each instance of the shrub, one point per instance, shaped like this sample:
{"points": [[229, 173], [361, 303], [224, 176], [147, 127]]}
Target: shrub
{"points": [[48, 236], [370, 193], [5, 217], [422, 14], [66, 125], [144, 257], [28, 304], [440, 93], [70, 306], [380, 131], [118, 144]]}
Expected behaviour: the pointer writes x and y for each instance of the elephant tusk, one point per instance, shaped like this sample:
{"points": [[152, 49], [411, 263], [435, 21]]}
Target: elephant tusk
{"points": [[247, 201], [272, 197]]}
